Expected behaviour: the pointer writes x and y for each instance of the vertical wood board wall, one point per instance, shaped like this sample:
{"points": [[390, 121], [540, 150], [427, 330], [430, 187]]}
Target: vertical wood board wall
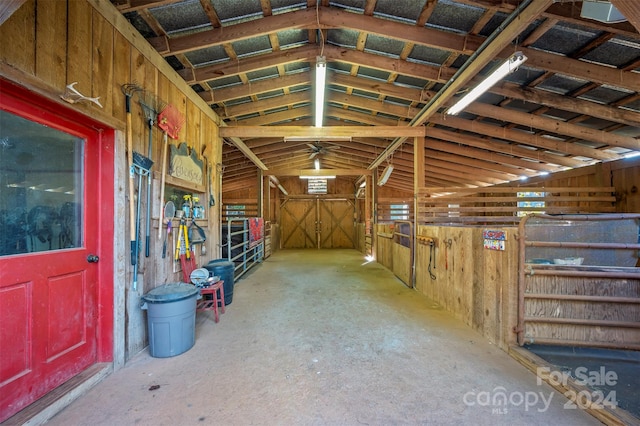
{"points": [[47, 45], [477, 285]]}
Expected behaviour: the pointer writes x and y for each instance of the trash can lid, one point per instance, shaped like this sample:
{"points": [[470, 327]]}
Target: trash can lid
{"points": [[170, 293], [219, 262]]}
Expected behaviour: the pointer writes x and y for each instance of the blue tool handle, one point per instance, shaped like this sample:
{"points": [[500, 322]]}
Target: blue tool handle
{"points": [[134, 252]]}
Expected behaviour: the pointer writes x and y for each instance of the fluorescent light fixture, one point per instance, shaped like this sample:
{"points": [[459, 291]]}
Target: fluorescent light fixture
{"points": [[632, 154], [363, 184], [385, 175], [602, 11], [507, 67], [321, 74], [317, 177], [316, 163]]}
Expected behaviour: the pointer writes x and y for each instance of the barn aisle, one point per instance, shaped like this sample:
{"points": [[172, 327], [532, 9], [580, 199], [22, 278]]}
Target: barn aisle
{"points": [[323, 337]]}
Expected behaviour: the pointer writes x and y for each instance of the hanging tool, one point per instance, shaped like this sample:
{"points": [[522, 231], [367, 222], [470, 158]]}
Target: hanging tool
{"points": [[142, 167], [168, 214], [129, 90], [178, 242], [170, 121], [185, 232], [150, 106]]}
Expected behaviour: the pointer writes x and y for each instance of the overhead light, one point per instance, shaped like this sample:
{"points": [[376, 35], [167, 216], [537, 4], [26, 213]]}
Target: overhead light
{"points": [[507, 67], [385, 175], [363, 184], [321, 74], [601, 10], [316, 177], [317, 163]]}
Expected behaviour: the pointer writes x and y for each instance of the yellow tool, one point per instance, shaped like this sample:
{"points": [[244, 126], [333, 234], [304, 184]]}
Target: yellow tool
{"points": [[186, 240]]}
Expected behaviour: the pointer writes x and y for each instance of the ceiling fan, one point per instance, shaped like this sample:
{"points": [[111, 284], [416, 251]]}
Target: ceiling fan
{"points": [[317, 149]]}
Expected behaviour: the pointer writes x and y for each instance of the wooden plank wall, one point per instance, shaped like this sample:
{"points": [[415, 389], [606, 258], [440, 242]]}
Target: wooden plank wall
{"points": [[47, 45], [477, 285], [502, 204], [627, 315], [625, 177]]}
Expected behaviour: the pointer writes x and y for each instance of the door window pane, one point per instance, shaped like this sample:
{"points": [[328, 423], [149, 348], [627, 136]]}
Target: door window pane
{"points": [[41, 187]]}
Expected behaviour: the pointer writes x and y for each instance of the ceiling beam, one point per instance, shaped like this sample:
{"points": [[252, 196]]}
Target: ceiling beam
{"points": [[502, 37], [8, 7], [454, 143], [525, 138], [565, 103], [319, 173], [255, 88], [315, 133], [246, 151], [630, 10], [552, 125]]}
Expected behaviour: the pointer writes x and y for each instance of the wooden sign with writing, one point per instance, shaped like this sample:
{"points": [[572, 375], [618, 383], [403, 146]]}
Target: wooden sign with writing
{"points": [[185, 165]]}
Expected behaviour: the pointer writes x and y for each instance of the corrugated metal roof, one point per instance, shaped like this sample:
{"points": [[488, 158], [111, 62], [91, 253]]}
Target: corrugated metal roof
{"points": [[384, 67]]}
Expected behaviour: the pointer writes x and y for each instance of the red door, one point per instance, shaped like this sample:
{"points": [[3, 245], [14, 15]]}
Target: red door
{"points": [[49, 197]]}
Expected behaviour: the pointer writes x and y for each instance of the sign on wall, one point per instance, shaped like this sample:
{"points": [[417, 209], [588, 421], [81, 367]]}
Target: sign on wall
{"points": [[185, 164], [494, 239]]}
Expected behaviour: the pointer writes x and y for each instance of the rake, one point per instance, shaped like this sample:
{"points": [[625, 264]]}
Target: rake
{"points": [[170, 121], [129, 90], [151, 105]]}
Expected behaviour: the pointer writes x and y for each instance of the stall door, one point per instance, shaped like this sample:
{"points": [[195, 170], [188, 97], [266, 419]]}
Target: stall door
{"points": [[48, 237], [317, 223]]}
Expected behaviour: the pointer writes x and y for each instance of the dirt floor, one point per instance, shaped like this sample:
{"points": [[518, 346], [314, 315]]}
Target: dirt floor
{"points": [[323, 337]]}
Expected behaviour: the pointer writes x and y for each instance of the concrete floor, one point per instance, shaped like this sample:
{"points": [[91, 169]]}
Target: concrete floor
{"points": [[322, 337]]}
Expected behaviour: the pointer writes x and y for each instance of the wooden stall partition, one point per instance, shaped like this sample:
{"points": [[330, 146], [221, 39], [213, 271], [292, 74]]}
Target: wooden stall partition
{"points": [[361, 238], [507, 204], [384, 245], [625, 176], [475, 283]]}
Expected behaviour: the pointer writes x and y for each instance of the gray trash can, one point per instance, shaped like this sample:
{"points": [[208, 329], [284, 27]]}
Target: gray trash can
{"points": [[171, 318]]}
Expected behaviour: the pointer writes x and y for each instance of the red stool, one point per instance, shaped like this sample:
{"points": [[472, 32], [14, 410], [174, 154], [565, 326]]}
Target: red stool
{"points": [[211, 304]]}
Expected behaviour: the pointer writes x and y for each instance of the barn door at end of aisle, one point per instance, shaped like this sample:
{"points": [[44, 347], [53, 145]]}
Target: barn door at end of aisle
{"points": [[335, 224], [49, 173], [298, 224], [317, 223]]}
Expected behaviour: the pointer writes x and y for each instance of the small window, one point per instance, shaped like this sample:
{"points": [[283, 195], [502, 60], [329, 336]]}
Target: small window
{"points": [[234, 210], [399, 212], [530, 206], [317, 186]]}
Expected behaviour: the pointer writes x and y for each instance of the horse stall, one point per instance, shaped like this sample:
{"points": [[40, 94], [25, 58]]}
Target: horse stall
{"points": [[578, 309], [558, 291]]}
